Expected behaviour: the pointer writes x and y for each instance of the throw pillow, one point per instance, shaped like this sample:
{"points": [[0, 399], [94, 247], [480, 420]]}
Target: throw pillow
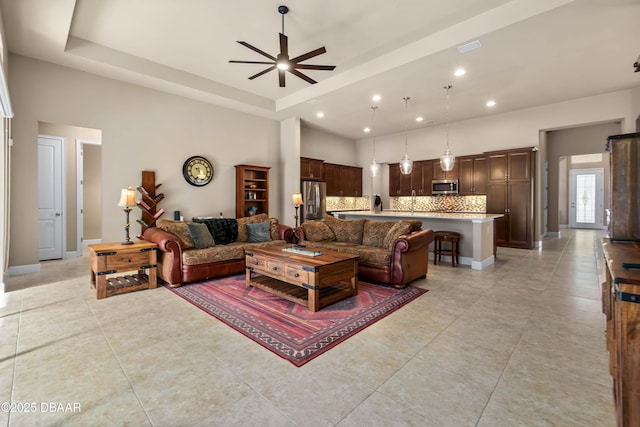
{"points": [[398, 229], [346, 230], [316, 231], [375, 232], [200, 235], [275, 228], [260, 232], [179, 228], [223, 230], [242, 225]]}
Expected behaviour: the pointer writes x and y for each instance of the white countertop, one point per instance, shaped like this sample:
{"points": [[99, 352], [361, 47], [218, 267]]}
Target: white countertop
{"points": [[459, 216]]}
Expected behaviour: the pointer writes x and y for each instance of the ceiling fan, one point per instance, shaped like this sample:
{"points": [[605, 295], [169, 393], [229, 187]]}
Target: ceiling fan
{"points": [[282, 62]]}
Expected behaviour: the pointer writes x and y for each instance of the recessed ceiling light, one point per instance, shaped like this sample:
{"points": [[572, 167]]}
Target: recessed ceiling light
{"points": [[367, 130], [319, 114], [419, 119], [459, 72], [491, 103], [376, 98]]}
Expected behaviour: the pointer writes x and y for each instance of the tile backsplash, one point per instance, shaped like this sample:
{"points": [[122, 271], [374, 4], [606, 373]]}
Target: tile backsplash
{"points": [[476, 204], [348, 203]]}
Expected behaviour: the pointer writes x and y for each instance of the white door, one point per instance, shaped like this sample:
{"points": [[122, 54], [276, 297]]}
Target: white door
{"points": [[50, 197], [586, 194]]}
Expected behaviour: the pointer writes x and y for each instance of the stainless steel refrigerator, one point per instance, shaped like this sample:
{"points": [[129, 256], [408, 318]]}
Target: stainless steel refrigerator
{"points": [[314, 195]]}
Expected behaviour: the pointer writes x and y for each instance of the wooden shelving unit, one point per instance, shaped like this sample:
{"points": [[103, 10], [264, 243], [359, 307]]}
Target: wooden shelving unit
{"points": [[252, 190], [148, 203]]}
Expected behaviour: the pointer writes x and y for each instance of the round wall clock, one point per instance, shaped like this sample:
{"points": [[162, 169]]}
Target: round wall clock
{"points": [[197, 171]]}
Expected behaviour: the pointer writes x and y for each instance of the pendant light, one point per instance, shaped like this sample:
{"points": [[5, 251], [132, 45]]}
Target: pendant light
{"points": [[406, 164], [447, 161], [374, 167]]}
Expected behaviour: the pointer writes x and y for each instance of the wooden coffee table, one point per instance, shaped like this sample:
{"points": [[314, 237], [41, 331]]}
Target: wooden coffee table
{"points": [[313, 281]]}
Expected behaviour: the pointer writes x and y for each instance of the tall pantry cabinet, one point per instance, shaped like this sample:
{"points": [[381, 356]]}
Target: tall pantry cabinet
{"points": [[510, 191]]}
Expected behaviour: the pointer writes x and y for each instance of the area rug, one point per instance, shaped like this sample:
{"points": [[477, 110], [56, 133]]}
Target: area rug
{"points": [[287, 329]]}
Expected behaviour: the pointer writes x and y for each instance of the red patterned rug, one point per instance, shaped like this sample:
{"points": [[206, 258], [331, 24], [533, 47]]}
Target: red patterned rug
{"points": [[290, 330]]}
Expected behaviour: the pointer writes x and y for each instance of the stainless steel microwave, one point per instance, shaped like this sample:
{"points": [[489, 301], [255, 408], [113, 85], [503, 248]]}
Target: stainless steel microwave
{"points": [[444, 186]]}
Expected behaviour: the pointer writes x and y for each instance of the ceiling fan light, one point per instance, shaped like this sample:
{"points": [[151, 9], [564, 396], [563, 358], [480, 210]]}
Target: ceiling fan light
{"points": [[406, 165], [282, 65], [447, 161]]}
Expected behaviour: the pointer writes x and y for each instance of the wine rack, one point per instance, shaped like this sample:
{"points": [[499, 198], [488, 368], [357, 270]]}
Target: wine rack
{"points": [[149, 200]]}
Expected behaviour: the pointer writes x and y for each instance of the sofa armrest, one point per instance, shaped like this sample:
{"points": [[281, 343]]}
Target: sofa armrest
{"points": [[413, 241], [285, 233], [298, 234], [410, 256], [170, 255]]}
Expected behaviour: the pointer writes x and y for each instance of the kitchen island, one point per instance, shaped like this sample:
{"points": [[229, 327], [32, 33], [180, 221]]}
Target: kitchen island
{"points": [[477, 244]]}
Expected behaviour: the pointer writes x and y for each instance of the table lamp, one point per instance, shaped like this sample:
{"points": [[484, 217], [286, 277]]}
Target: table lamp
{"points": [[127, 201], [296, 199]]}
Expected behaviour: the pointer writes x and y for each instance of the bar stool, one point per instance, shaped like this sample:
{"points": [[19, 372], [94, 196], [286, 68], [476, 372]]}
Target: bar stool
{"points": [[446, 236]]}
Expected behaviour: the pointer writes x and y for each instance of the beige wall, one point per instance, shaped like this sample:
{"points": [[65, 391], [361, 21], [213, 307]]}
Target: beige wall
{"points": [[563, 144], [326, 146], [70, 134], [142, 129], [92, 195]]}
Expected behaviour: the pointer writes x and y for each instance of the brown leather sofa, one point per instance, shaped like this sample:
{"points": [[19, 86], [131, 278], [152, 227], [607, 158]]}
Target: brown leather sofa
{"points": [[394, 253], [179, 262]]}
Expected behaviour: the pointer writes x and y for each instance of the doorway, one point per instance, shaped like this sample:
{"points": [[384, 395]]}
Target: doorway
{"points": [[586, 198], [50, 197]]}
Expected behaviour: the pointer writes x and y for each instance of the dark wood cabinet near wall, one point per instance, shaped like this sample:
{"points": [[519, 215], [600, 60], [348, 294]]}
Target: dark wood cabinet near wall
{"points": [[472, 171], [510, 185], [343, 181], [311, 169], [399, 184], [438, 173], [421, 177]]}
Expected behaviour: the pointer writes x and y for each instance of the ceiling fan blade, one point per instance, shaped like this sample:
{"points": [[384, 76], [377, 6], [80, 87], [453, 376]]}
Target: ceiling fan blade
{"points": [[315, 67], [302, 76], [309, 55], [281, 78], [284, 45], [273, 67], [255, 49], [250, 62]]}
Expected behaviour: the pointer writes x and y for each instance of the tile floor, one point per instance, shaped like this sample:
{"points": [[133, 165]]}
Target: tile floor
{"points": [[519, 344]]}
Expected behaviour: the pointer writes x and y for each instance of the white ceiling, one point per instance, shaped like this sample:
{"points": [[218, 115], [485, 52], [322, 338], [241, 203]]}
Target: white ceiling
{"points": [[533, 52]]}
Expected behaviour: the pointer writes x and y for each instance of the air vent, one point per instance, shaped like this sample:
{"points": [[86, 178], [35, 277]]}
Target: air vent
{"points": [[469, 46]]}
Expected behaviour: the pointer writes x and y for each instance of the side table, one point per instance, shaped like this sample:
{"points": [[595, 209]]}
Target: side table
{"points": [[109, 258]]}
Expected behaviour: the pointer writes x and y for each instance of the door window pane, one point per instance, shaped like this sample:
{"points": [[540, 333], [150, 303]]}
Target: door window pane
{"points": [[585, 198]]}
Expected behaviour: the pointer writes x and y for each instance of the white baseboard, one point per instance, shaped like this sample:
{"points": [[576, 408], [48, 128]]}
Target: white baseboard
{"points": [[553, 234], [91, 242], [564, 226], [537, 244], [17, 270]]}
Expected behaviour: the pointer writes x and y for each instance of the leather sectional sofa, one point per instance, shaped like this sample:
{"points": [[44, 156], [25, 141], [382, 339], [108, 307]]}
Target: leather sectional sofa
{"points": [[180, 261], [395, 252]]}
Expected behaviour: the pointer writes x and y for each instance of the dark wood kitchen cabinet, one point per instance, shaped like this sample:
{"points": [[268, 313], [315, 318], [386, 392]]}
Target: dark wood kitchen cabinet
{"points": [[343, 181], [510, 184], [421, 177], [399, 184], [438, 173], [472, 175], [311, 169]]}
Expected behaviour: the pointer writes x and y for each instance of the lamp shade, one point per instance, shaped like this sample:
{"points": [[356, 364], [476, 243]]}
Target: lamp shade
{"points": [[296, 199], [447, 161], [374, 167], [406, 165], [127, 198]]}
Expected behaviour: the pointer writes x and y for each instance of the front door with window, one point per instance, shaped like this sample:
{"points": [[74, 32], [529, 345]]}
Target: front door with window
{"points": [[586, 194]]}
